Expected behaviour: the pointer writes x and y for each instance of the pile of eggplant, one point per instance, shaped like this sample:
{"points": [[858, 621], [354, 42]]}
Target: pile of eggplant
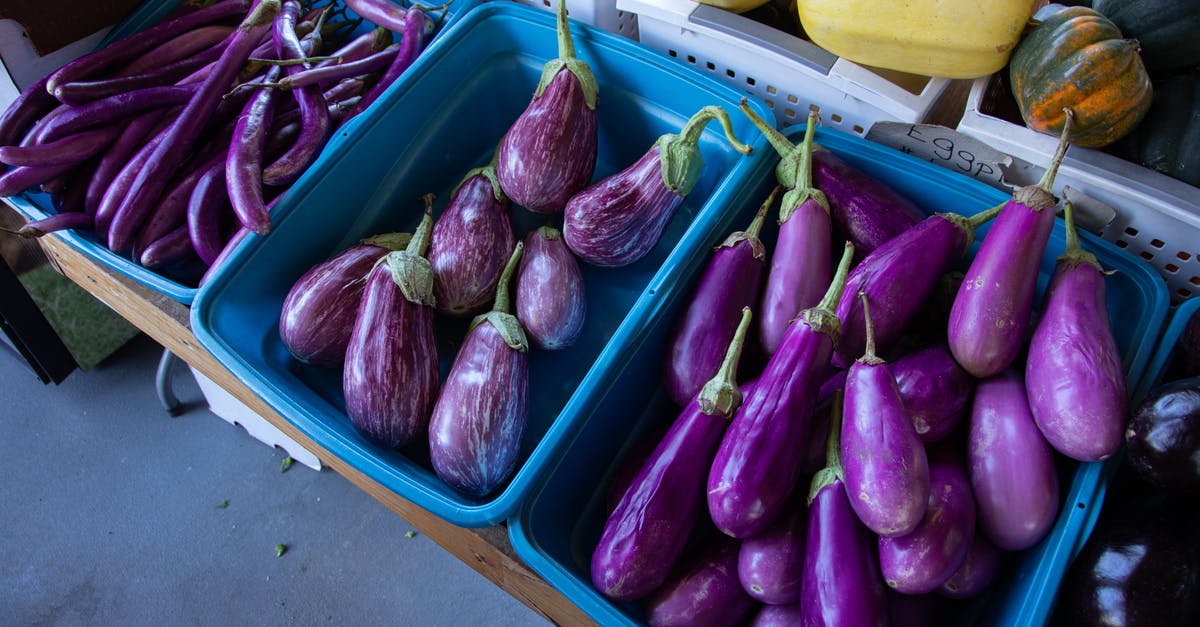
{"points": [[371, 309], [170, 143], [894, 439]]}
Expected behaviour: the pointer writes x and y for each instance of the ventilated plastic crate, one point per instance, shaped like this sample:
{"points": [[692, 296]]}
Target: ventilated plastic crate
{"points": [[1157, 217], [460, 101], [790, 74], [602, 14], [557, 530]]}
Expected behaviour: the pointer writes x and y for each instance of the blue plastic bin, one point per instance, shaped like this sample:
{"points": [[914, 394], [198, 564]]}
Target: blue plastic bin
{"points": [[36, 205], [557, 530], [458, 103]]}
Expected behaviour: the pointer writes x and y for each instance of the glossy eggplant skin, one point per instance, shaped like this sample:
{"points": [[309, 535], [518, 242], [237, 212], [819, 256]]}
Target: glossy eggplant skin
{"points": [[703, 592], [551, 302], [1010, 464], [864, 210], [800, 271], [1163, 436], [841, 583], [935, 390], [777, 616], [771, 563], [471, 241], [976, 572]]}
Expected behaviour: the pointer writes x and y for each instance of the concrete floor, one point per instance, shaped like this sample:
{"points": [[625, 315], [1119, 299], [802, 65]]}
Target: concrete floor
{"points": [[112, 516]]}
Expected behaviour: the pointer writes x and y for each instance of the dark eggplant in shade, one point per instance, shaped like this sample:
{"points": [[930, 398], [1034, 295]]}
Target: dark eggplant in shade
{"points": [[391, 375], [771, 563], [913, 610], [921, 561], [1162, 439], [617, 220], [471, 241], [729, 284], [1189, 347], [319, 311], [976, 572], [646, 533], [549, 152], [1011, 465], [758, 463], [884, 466], [865, 211], [551, 302], [704, 591], [841, 583], [801, 262], [1074, 374], [991, 313], [936, 391], [480, 414], [778, 616]]}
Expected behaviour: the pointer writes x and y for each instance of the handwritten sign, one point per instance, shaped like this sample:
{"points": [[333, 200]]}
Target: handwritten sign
{"points": [[945, 147]]}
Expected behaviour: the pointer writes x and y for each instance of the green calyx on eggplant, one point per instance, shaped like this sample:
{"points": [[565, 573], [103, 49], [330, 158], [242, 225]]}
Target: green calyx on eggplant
{"points": [[1162, 438], [500, 316], [566, 60], [412, 272], [794, 171], [682, 161]]}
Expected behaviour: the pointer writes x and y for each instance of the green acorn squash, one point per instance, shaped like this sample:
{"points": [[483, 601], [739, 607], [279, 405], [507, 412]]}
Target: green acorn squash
{"points": [[1168, 140], [1168, 30]]}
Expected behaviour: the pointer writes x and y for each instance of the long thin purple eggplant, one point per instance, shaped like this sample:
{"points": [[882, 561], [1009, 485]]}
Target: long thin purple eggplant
{"points": [[616, 221], [1074, 374], [314, 112], [244, 167], [205, 205], [729, 284], [758, 462], [174, 247], [481, 411], [471, 240], [771, 564], [936, 392], [1011, 465], [57, 222], [385, 13], [976, 572], [175, 49], [646, 533], [551, 301], [991, 313], [549, 152], [113, 197], [31, 105], [327, 74], [114, 108], [81, 93], [16, 180], [800, 265], [921, 561], [359, 48], [703, 591], [391, 376], [118, 154], [72, 149], [172, 210], [841, 583], [411, 46], [883, 461], [864, 210]]}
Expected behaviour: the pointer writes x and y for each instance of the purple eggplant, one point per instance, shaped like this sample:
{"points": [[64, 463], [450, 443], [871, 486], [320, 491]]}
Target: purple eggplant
{"points": [[549, 152], [617, 220], [883, 461], [411, 46], [175, 49], [20, 178], [391, 375], [314, 131], [1074, 375], [771, 563], [841, 583], [70, 150], [800, 266], [991, 313], [935, 391], [976, 572], [385, 13], [244, 165], [113, 160], [53, 223], [173, 248], [899, 277], [865, 211], [778, 616], [703, 592], [729, 284], [319, 311], [480, 414], [114, 109], [83, 92], [647, 531], [30, 106], [924, 559], [471, 240], [550, 293], [1011, 465], [205, 205], [630, 465], [759, 460]]}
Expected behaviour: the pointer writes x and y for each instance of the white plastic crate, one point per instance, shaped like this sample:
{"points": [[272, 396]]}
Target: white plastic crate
{"points": [[790, 74], [1157, 217], [602, 14]]}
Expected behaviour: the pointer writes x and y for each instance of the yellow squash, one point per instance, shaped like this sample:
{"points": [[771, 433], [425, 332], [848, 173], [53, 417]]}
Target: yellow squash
{"points": [[944, 38]]}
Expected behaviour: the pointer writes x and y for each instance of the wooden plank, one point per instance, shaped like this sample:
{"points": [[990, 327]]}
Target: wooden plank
{"points": [[487, 550]]}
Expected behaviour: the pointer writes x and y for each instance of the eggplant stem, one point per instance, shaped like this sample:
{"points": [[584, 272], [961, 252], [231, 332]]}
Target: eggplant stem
{"points": [[502, 301], [868, 356], [833, 453], [1072, 234], [804, 168], [720, 395], [694, 127], [1047, 181], [420, 239], [756, 224], [982, 217], [776, 139], [566, 47], [834, 293]]}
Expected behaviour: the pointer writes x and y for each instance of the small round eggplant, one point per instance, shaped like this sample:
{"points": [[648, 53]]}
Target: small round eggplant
{"points": [[319, 311], [647, 531], [729, 284], [617, 220], [883, 461], [550, 293], [992, 310], [549, 152], [1073, 374], [391, 376], [771, 563], [935, 391], [865, 211], [480, 414], [976, 572], [1163, 436], [1011, 465], [470, 242], [703, 592], [921, 561], [778, 616]]}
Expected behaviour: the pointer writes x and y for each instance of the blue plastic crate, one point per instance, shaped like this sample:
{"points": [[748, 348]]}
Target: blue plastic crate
{"points": [[557, 530], [458, 103], [35, 205]]}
